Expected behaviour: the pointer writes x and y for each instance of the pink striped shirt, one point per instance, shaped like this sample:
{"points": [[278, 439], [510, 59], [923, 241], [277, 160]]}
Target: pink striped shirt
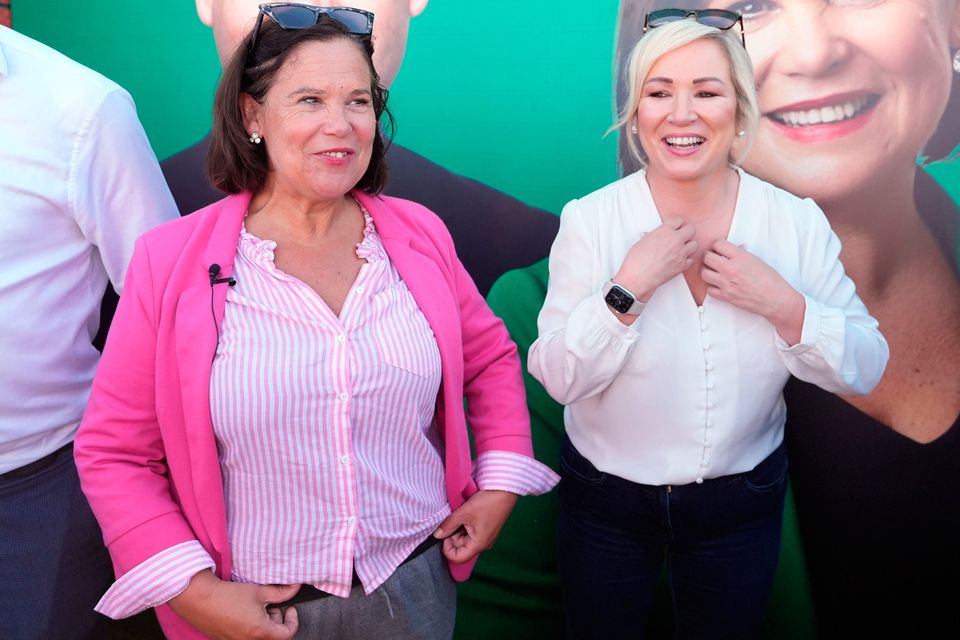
{"points": [[328, 446]]}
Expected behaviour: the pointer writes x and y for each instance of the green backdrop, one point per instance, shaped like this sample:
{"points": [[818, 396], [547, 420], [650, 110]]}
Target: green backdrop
{"points": [[487, 89]]}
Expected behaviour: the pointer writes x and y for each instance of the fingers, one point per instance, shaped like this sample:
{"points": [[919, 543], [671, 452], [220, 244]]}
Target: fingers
{"points": [[291, 620], [271, 593], [450, 526]]}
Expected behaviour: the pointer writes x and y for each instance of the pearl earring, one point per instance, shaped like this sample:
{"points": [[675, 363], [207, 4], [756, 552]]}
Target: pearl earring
{"points": [[956, 61], [633, 129], [741, 133], [255, 137]]}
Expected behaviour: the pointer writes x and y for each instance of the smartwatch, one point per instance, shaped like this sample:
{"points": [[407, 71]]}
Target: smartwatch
{"points": [[620, 299]]}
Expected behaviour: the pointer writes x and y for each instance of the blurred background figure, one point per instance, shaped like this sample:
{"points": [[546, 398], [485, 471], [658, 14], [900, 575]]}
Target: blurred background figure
{"points": [[78, 184]]}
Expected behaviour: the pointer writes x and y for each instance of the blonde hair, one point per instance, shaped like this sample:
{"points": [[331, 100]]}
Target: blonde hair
{"points": [[662, 40]]}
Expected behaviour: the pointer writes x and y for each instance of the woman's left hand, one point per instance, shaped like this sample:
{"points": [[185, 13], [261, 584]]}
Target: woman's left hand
{"points": [[735, 275], [475, 525]]}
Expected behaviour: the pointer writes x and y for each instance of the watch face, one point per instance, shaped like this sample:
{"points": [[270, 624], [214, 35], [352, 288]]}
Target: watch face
{"points": [[619, 299]]}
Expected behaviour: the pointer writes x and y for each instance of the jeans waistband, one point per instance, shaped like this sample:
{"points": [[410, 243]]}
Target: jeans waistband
{"points": [[309, 592]]}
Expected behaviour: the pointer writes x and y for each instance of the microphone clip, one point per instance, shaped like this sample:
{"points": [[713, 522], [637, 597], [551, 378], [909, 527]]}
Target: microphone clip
{"points": [[214, 271]]}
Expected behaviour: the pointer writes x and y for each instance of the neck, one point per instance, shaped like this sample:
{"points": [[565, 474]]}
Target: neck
{"points": [[692, 200], [298, 214], [882, 234]]}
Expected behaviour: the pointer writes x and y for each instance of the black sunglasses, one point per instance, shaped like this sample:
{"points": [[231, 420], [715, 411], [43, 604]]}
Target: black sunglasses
{"points": [[718, 18], [292, 15]]}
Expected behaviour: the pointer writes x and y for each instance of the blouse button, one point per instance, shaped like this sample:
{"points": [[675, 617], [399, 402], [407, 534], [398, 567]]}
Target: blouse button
{"points": [[343, 397], [708, 366], [343, 459], [700, 310], [699, 480], [341, 338], [359, 289]]}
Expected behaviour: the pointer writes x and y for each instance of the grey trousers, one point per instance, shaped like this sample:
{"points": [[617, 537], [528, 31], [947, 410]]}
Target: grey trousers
{"points": [[418, 602]]}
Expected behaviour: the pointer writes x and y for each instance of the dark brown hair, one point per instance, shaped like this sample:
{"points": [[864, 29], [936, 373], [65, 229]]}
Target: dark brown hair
{"points": [[234, 164]]}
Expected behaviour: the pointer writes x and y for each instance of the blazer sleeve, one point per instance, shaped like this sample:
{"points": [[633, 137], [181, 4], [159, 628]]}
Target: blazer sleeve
{"points": [[496, 405], [119, 449]]}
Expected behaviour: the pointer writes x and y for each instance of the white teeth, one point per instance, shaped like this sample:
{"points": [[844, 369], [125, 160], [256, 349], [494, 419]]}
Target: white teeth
{"points": [[834, 113], [684, 141], [334, 154]]}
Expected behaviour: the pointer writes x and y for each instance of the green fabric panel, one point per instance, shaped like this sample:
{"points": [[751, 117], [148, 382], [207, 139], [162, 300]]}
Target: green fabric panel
{"points": [[514, 591]]}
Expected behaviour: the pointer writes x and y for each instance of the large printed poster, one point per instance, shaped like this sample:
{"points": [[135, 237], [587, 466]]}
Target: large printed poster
{"points": [[502, 108]]}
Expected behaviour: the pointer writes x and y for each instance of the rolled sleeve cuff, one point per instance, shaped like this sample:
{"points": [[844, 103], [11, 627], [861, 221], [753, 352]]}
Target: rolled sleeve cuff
{"points": [[513, 472], [809, 333], [155, 580]]}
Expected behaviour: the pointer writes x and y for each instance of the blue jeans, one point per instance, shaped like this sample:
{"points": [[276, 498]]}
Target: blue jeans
{"points": [[53, 565], [720, 540]]}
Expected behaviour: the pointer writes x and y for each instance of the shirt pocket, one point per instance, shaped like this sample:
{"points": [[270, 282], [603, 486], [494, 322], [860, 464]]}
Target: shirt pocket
{"points": [[402, 333]]}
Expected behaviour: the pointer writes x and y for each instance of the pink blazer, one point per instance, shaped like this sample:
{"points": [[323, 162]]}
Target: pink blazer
{"points": [[146, 451]]}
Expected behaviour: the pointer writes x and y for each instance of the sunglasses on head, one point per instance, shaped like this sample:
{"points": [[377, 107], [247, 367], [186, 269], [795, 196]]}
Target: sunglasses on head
{"points": [[292, 15], [718, 18]]}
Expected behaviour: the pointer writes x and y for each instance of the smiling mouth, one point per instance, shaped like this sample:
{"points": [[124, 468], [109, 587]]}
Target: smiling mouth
{"points": [[832, 114], [335, 154], [684, 142]]}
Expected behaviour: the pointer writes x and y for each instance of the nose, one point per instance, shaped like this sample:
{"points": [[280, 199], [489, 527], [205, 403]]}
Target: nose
{"points": [[336, 121], [812, 43], [681, 109]]}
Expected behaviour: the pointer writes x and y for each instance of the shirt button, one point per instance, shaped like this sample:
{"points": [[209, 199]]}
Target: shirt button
{"points": [[351, 520], [705, 463], [706, 347], [343, 397], [700, 310], [359, 289], [341, 338], [708, 366], [709, 424], [699, 480], [706, 443], [344, 459]]}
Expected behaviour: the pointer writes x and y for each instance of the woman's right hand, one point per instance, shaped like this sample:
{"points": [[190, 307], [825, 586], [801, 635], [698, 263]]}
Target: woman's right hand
{"points": [[657, 257], [236, 611]]}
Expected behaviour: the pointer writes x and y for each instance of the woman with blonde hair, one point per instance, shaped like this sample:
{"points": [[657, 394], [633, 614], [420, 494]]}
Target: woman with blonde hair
{"points": [[681, 298]]}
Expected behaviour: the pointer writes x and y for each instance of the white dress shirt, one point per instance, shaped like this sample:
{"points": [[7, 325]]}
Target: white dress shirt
{"points": [[78, 184], [690, 392]]}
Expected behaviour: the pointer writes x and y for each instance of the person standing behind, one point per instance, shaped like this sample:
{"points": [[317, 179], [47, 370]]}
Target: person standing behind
{"points": [[680, 300], [493, 232], [78, 184]]}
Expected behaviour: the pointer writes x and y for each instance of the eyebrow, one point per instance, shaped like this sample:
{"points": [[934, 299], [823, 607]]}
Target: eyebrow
{"points": [[695, 81], [320, 92]]}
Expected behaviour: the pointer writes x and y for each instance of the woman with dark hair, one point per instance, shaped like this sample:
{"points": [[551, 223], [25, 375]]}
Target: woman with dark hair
{"points": [[681, 298], [851, 95], [279, 413]]}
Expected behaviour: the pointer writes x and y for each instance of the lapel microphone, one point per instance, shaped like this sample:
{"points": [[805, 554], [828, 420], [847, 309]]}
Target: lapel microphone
{"points": [[214, 271]]}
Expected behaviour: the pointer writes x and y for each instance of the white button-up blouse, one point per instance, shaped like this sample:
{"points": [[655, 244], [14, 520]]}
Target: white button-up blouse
{"points": [[691, 392]]}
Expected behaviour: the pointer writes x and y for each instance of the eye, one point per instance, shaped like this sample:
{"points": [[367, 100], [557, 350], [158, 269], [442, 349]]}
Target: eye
{"points": [[658, 94], [707, 94], [310, 100], [755, 12]]}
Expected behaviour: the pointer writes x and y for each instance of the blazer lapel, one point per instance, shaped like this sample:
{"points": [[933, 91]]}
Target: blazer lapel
{"points": [[199, 321]]}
